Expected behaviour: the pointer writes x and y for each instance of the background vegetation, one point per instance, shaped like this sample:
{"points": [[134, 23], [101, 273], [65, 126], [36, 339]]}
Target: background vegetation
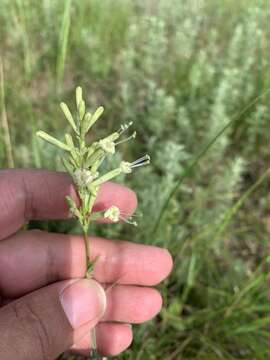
{"points": [[181, 70]]}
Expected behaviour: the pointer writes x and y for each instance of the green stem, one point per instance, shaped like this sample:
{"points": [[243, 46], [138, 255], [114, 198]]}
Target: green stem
{"points": [[87, 250], [4, 120], [88, 274]]}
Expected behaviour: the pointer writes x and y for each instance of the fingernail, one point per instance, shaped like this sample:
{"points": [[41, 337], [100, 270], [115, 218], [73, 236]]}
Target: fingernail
{"points": [[83, 301]]}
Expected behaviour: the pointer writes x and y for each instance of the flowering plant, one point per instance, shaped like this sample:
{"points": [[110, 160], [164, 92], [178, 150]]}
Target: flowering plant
{"points": [[83, 163]]}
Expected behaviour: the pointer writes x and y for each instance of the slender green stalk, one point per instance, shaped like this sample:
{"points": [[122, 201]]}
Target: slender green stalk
{"points": [[63, 44], [23, 8], [4, 120], [87, 249]]}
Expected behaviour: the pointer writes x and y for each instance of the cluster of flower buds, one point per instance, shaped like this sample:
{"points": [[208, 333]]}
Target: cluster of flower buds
{"points": [[84, 177]]}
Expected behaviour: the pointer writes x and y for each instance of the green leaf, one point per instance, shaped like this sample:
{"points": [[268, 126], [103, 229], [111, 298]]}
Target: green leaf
{"points": [[110, 175], [79, 98], [81, 109], [74, 162], [86, 124], [68, 116], [96, 156], [73, 207], [68, 166], [95, 116], [69, 141], [50, 139]]}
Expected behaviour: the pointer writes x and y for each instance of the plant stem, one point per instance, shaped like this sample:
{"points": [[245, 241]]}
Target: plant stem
{"points": [[87, 250], [88, 275], [4, 120]]}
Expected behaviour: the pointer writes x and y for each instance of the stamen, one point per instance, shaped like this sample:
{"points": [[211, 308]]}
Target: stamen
{"points": [[127, 139], [114, 214], [141, 160], [126, 215], [129, 221], [124, 128], [126, 167], [141, 164]]}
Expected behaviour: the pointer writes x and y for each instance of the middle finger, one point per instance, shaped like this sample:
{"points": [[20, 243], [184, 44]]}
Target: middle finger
{"points": [[32, 259]]}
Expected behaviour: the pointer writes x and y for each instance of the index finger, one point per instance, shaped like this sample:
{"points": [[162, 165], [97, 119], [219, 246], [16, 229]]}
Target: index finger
{"points": [[40, 194]]}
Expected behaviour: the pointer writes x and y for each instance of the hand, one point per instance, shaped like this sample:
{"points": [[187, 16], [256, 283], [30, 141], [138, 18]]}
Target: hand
{"points": [[47, 308]]}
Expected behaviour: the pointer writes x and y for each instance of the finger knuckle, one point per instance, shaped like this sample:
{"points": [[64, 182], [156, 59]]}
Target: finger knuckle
{"points": [[34, 329]]}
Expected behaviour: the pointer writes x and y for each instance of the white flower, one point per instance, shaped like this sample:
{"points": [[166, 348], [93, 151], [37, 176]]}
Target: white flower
{"points": [[127, 167], [83, 177], [107, 145], [113, 214]]}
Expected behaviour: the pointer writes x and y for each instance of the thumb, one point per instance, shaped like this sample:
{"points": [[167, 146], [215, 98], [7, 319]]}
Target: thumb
{"points": [[47, 322]]}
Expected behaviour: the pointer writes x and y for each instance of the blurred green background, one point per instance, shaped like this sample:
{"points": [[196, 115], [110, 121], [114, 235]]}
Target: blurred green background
{"points": [[181, 70]]}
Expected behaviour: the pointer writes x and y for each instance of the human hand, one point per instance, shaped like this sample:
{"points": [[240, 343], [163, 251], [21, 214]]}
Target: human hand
{"points": [[47, 308]]}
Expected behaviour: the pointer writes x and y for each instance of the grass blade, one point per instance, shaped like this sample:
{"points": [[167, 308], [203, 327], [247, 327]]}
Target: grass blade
{"points": [[4, 120], [63, 44]]}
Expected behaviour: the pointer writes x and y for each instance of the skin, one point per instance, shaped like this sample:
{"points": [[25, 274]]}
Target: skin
{"points": [[35, 266]]}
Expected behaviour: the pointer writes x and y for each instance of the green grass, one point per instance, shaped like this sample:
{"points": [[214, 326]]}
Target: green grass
{"points": [[63, 44], [182, 70]]}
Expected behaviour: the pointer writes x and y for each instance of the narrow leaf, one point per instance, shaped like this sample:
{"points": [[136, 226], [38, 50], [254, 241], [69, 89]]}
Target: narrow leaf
{"points": [[95, 116], [52, 140], [78, 96], [73, 207], [86, 123], [81, 109], [68, 166], [68, 116], [69, 141], [110, 175], [71, 146]]}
